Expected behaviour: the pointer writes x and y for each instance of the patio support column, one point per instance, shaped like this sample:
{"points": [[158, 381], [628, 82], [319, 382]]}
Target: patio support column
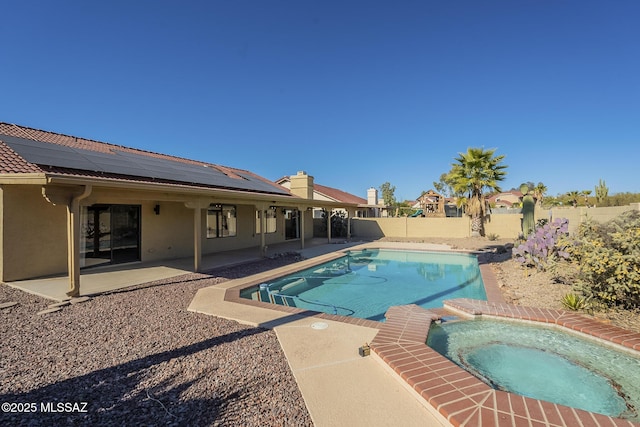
{"points": [[329, 225], [197, 239], [71, 198], [263, 228], [302, 213], [197, 206], [350, 213]]}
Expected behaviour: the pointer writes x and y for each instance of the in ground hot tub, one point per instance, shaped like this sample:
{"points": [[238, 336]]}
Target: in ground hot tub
{"points": [[543, 363]]}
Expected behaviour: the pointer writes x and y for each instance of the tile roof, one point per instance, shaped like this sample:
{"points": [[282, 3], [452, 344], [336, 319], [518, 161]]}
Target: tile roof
{"points": [[339, 195], [11, 162]]}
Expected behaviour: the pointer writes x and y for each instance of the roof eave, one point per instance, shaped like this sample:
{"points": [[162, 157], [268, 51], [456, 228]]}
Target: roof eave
{"points": [[23, 178]]}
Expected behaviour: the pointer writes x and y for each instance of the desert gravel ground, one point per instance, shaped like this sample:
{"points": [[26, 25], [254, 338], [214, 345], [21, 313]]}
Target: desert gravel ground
{"points": [[139, 358]]}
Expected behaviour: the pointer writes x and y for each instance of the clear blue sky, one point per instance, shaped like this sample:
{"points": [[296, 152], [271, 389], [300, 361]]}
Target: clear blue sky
{"points": [[356, 93]]}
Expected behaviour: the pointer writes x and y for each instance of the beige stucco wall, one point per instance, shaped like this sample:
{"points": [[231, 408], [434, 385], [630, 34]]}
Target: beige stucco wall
{"points": [[168, 235], [578, 215], [34, 234], [405, 227], [505, 226]]}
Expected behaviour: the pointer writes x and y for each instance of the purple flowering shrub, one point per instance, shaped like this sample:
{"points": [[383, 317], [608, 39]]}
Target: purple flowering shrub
{"points": [[545, 244]]}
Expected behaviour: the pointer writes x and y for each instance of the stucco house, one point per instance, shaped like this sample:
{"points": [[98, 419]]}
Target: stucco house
{"points": [[364, 207], [505, 199], [69, 203]]}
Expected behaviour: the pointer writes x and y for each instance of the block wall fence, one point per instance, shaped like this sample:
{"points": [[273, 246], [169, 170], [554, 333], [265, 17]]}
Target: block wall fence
{"points": [[505, 226]]}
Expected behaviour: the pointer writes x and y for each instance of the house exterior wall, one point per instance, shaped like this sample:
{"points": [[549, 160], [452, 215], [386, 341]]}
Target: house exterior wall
{"points": [[167, 235], [34, 234], [33, 237]]}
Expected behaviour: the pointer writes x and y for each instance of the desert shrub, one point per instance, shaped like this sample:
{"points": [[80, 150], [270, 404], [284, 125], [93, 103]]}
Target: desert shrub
{"points": [[575, 302], [608, 256], [545, 246], [338, 223]]}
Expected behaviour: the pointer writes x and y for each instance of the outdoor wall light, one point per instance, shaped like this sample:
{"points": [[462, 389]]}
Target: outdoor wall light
{"points": [[156, 209]]}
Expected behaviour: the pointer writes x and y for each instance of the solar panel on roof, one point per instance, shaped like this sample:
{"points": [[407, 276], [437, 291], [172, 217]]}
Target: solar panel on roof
{"points": [[132, 164]]}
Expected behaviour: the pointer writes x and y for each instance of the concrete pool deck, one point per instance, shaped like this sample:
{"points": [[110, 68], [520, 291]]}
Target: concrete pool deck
{"points": [[404, 382], [340, 388]]}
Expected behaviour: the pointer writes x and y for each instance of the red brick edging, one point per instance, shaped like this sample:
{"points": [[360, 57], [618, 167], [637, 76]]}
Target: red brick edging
{"points": [[459, 396]]}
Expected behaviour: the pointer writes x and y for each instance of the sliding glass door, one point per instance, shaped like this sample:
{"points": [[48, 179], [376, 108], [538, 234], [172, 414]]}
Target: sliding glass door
{"points": [[110, 234]]}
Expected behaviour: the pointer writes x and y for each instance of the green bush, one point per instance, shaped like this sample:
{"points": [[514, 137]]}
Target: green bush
{"points": [[574, 302], [608, 256]]}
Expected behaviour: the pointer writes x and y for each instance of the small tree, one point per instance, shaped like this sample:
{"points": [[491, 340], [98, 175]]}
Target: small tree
{"points": [[539, 192], [338, 223], [388, 196], [443, 186], [573, 197]]}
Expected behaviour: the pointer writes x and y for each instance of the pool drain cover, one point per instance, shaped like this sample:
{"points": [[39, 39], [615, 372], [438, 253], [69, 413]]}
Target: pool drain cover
{"points": [[319, 325]]}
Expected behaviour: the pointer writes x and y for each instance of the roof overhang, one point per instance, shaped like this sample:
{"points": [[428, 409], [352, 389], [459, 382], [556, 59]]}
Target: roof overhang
{"points": [[168, 192], [23, 178]]}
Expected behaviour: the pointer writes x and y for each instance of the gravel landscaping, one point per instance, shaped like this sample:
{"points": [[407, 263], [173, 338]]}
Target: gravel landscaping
{"points": [[138, 357]]}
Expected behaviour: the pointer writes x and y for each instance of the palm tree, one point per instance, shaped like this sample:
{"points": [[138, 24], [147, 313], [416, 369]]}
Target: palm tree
{"points": [[475, 172], [538, 192], [573, 197]]}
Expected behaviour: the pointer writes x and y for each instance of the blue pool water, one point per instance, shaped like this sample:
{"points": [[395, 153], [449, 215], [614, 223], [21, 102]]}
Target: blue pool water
{"points": [[544, 364], [365, 284]]}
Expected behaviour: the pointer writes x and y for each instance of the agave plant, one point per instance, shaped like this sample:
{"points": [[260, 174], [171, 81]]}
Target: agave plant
{"points": [[574, 302]]}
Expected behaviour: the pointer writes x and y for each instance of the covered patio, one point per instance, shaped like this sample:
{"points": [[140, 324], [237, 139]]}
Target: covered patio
{"points": [[119, 276]]}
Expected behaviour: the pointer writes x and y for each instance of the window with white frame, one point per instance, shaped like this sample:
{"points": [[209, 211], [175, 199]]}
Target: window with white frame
{"points": [[221, 221]]}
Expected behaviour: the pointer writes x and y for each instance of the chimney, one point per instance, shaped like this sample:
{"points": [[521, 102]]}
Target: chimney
{"points": [[372, 196], [302, 185]]}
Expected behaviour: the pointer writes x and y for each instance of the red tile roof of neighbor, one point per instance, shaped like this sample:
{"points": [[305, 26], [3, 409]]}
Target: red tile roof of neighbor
{"points": [[12, 163], [332, 193], [339, 195]]}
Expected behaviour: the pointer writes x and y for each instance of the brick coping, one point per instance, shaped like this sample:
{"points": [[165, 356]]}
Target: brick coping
{"points": [[463, 399]]}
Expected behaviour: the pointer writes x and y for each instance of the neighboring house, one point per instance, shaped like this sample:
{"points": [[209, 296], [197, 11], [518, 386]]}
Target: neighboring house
{"points": [[364, 207], [431, 204], [68, 203], [506, 199]]}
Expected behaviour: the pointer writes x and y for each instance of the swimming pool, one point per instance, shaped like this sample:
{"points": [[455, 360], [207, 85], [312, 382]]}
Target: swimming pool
{"points": [[364, 284], [544, 364]]}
